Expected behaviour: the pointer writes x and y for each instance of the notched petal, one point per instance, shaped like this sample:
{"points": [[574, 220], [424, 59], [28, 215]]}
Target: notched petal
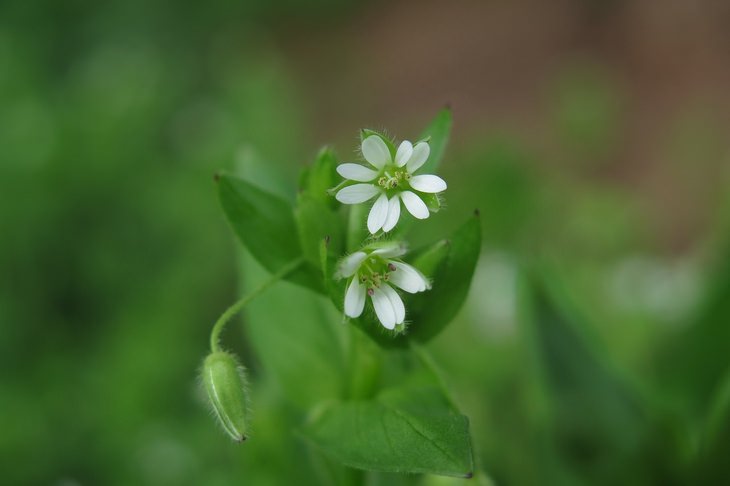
{"points": [[356, 193], [375, 151], [428, 183], [356, 172]]}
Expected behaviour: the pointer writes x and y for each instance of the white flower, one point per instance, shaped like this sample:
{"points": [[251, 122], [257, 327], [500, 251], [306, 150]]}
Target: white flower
{"points": [[371, 271], [391, 180]]}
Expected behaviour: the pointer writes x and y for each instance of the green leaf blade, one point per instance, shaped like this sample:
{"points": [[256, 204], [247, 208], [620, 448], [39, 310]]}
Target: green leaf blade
{"points": [[405, 430], [431, 311], [265, 225]]}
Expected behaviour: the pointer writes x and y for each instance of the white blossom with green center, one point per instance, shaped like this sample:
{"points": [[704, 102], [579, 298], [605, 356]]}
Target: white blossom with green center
{"points": [[392, 180], [373, 272]]}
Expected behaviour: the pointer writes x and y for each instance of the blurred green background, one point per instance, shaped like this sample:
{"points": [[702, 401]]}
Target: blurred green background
{"points": [[590, 133]]}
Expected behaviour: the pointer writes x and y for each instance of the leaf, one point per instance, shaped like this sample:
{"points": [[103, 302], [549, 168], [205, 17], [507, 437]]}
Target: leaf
{"points": [[600, 426], [438, 134], [428, 259], [696, 362], [408, 430], [711, 464], [432, 310], [264, 223]]}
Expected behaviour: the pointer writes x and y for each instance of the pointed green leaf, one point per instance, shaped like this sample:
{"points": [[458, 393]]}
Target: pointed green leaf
{"points": [[600, 426], [406, 430], [264, 223], [432, 310], [695, 365], [711, 464]]}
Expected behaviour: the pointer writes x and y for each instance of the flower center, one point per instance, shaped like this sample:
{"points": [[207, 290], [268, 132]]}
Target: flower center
{"points": [[374, 271], [393, 177]]}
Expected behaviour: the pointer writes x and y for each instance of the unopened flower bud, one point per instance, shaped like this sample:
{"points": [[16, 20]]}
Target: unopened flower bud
{"points": [[225, 382]]}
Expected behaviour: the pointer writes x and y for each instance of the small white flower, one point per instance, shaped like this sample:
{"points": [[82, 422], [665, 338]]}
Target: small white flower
{"points": [[392, 180], [371, 271]]}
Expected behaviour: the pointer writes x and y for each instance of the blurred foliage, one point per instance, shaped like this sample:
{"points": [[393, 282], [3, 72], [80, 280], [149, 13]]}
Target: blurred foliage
{"points": [[115, 259]]}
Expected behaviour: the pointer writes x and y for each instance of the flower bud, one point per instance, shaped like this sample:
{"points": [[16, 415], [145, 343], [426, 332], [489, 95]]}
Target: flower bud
{"points": [[225, 383]]}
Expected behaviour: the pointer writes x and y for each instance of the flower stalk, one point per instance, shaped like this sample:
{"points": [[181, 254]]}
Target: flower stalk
{"points": [[243, 301]]}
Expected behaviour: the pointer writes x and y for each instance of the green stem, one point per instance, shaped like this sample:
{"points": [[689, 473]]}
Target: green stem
{"points": [[243, 301]]}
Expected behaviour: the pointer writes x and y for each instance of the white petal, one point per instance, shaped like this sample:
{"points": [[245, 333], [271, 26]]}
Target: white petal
{"points": [[408, 278], [393, 214], [375, 151], [350, 264], [355, 298], [396, 302], [356, 193], [420, 154], [378, 214], [391, 250], [428, 183], [414, 205], [356, 172], [383, 308], [405, 150]]}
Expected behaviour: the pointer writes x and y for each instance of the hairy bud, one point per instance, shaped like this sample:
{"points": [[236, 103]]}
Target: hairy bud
{"points": [[225, 382]]}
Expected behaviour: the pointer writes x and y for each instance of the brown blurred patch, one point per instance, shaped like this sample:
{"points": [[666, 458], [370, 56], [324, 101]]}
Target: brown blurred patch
{"points": [[393, 64]]}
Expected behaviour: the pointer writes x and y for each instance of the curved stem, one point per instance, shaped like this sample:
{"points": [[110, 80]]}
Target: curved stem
{"points": [[243, 301]]}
